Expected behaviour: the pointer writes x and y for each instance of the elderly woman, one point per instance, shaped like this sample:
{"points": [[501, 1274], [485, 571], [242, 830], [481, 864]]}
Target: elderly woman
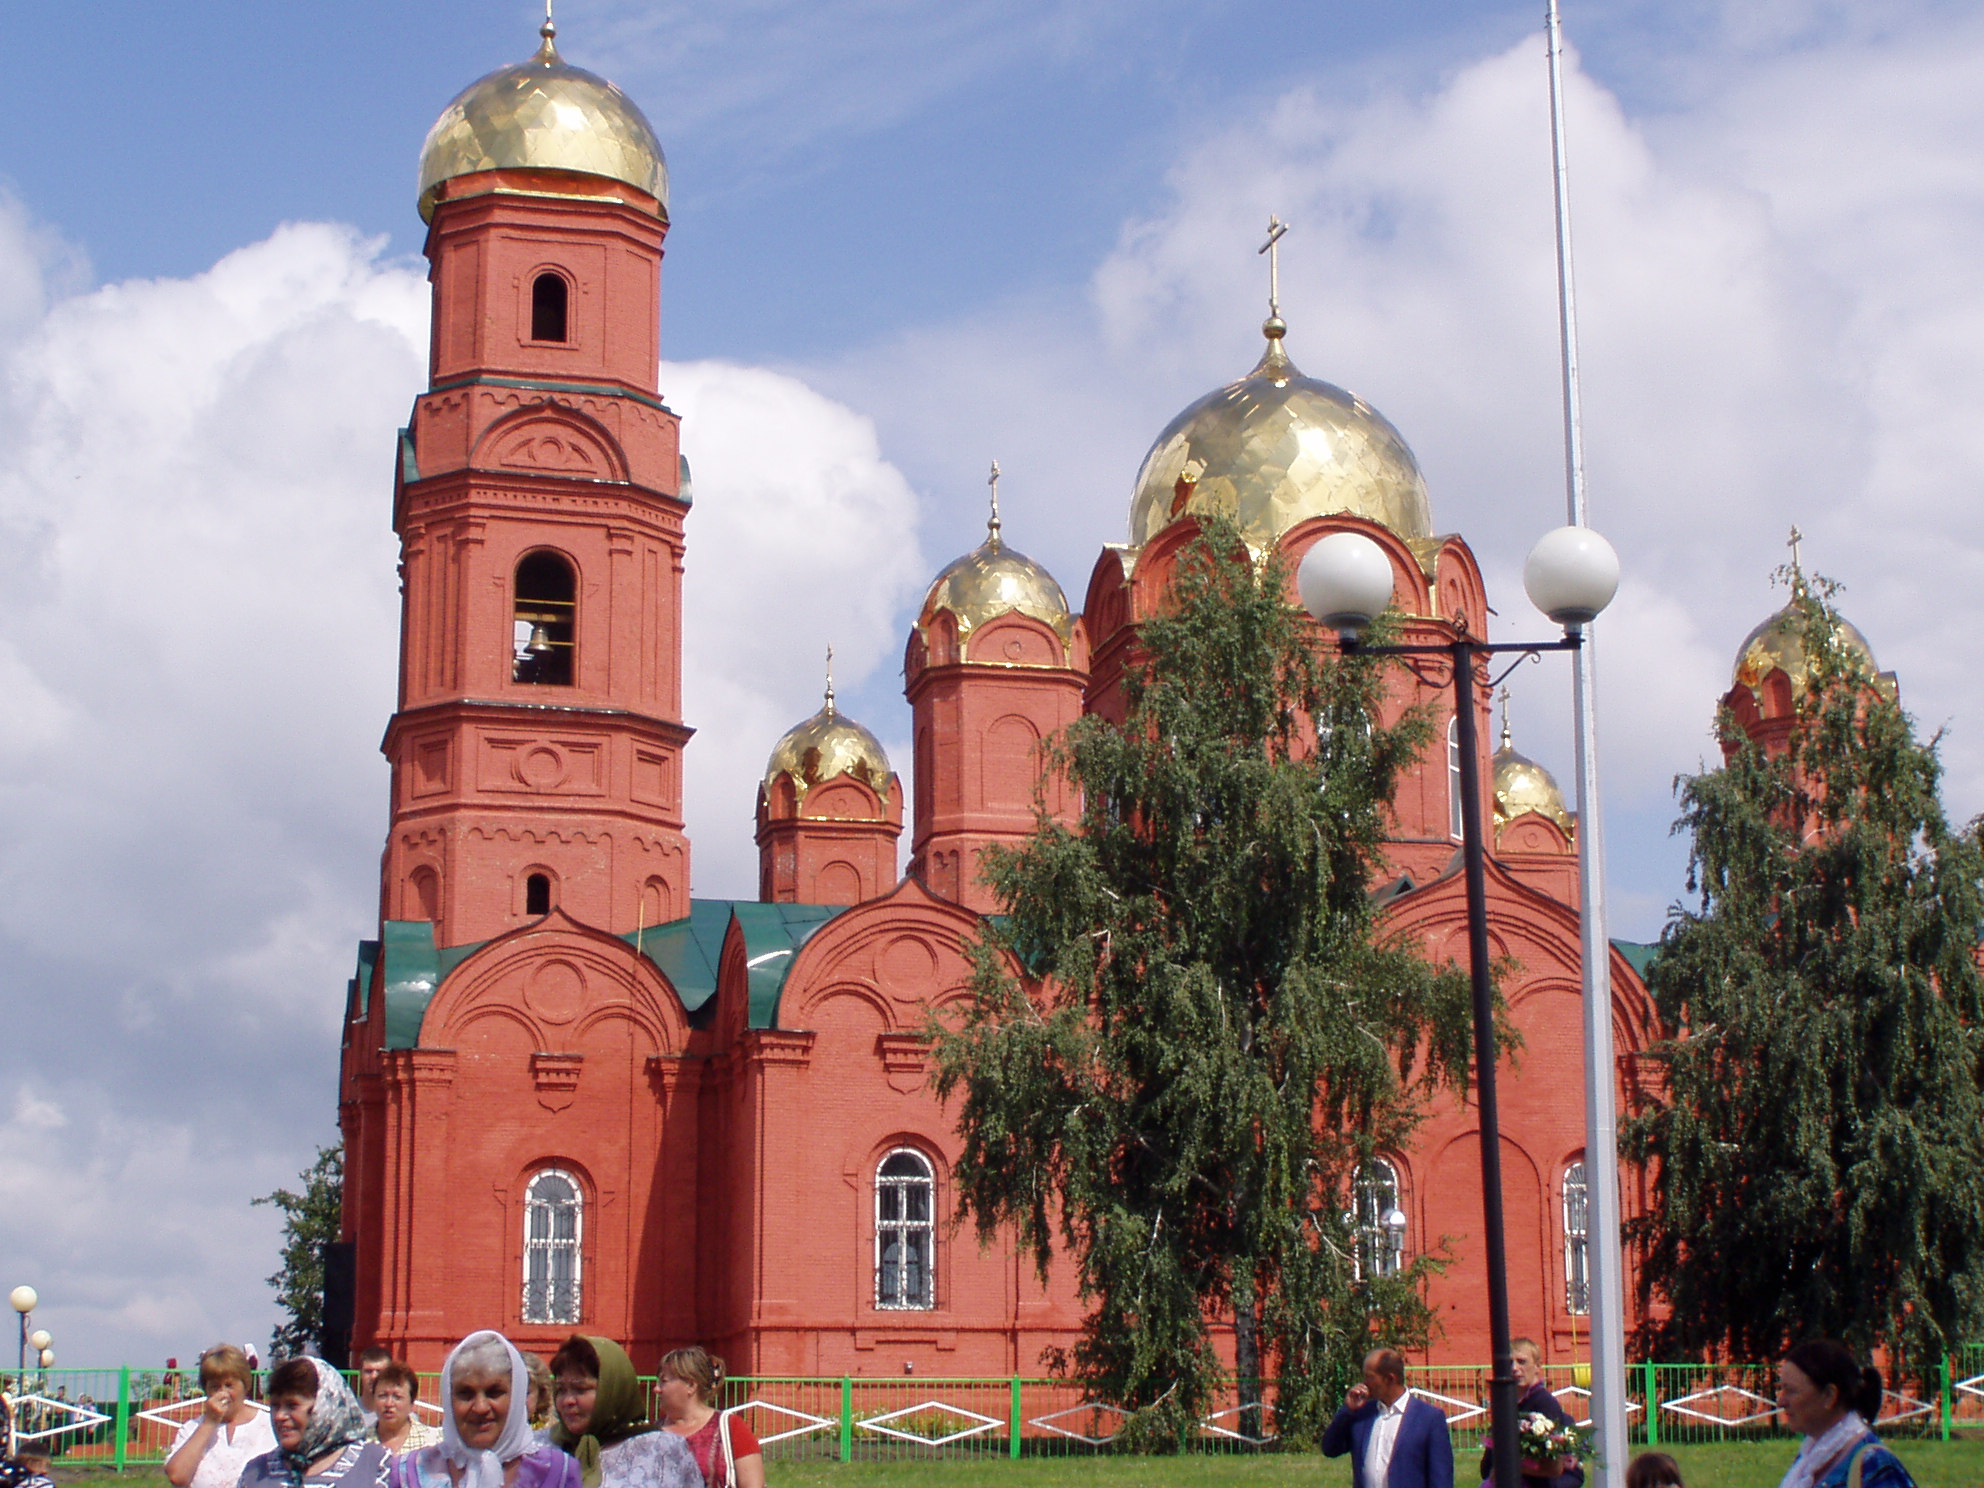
{"points": [[1828, 1399], [394, 1425], [603, 1421], [687, 1384], [320, 1433], [212, 1448], [486, 1440]]}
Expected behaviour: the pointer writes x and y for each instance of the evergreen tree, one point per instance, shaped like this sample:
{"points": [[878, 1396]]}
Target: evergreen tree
{"points": [[1816, 1155], [1215, 1034], [310, 1221]]}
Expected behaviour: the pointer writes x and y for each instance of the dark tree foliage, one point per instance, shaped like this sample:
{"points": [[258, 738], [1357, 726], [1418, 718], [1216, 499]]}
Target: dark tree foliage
{"points": [[310, 1220], [1817, 1153], [1217, 1034]]}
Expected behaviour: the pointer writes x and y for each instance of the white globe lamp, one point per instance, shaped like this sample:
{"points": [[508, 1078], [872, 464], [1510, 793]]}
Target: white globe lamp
{"points": [[1571, 575], [1345, 581], [23, 1298], [48, 1358], [40, 1338]]}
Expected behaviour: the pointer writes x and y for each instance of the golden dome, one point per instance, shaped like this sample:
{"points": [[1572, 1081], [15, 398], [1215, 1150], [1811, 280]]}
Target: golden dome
{"points": [[548, 115], [828, 745], [1780, 642], [1522, 785], [993, 580], [1276, 448]]}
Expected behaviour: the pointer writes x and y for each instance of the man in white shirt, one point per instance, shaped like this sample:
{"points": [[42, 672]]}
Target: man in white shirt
{"points": [[1394, 1439]]}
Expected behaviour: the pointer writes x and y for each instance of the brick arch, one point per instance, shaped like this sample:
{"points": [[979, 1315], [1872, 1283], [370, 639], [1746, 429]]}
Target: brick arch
{"points": [[853, 949], [551, 439]]}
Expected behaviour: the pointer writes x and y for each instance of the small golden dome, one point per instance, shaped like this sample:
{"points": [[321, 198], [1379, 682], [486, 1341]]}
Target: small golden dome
{"points": [[1780, 642], [993, 580], [1276, 448], [547, 115], [826, 746], [1522, 785]]}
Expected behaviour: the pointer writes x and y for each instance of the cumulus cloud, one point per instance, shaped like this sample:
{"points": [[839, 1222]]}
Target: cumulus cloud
{"points": [[199, 656]]}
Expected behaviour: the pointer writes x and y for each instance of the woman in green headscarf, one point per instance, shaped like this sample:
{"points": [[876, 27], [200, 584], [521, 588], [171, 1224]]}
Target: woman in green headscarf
{"points": [[603, 1421]]}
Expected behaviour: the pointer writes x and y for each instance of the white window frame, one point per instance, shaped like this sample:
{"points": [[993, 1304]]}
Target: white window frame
{"points": [[539, 1306], [1455, 827], [1374, 1189], [902, 1229], [1577, 1240]]}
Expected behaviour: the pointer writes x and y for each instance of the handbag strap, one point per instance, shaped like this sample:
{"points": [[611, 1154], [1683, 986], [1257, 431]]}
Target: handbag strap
{"points": [[730, 1452]]}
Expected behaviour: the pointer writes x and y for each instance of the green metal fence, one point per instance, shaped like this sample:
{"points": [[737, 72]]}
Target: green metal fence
{"points": [[123, 1417]]}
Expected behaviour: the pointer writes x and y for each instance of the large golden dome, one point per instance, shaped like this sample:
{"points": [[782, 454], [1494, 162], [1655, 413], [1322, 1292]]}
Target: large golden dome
{"points": [[547, 115], [828, 745], [993, 580], [1276, 448], [1522, 785], [1780, 643]]}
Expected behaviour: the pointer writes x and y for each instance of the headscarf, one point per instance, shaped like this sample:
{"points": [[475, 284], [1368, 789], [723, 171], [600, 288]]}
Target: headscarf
{"points": [[619, 1410], [484, 1469], [336, 1421]]}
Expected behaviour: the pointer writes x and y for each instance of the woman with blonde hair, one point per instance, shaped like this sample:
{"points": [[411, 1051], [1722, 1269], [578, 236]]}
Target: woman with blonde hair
{"points": [[727, 1454], [486, 1440], [212, 1448]]}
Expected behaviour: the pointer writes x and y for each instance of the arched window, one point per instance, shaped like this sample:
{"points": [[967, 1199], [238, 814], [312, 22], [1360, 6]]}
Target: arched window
{"points": [[1378, 1218], [1577, 1234], [554, 1224], [547, 308], [1453, 778], [905, 1200], [546, 607], [537, 894]]}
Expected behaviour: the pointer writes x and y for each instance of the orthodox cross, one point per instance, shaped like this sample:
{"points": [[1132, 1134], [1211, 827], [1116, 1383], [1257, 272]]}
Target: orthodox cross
{"points": [[992, 526], [1796, 538], [830, 679], [1277, 230]]}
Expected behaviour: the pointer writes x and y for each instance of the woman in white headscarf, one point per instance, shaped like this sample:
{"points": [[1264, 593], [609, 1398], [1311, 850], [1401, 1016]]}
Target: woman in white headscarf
{"points": [[486, 1439]]}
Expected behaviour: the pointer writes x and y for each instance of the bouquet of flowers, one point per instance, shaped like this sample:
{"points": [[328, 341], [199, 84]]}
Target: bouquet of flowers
{"points": [[1543, 1444]]}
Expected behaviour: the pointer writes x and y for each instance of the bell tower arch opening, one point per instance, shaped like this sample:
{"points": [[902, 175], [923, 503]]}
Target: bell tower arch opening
{"points": [[549, 297], [546, 615]]}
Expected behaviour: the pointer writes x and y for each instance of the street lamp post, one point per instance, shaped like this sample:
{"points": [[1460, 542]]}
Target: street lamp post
{"points": [[1346, 582], [24, 1299]]}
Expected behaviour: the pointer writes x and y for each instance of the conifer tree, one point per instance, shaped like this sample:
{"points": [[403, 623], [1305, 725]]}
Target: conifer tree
{"points": [[1816, 1154], [311, 1220], [1214, 1033]]}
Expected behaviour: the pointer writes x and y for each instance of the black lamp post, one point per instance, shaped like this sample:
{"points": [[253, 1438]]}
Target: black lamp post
{"points": [[1572, 573]]}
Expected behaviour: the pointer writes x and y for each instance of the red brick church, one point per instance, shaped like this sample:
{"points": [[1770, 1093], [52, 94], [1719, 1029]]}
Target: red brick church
{"points": [[575, 1095]]}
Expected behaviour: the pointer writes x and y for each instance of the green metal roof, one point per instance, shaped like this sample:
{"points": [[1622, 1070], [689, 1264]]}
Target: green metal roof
{"points": [[1638, 956], [687, 952], [360, 999]]}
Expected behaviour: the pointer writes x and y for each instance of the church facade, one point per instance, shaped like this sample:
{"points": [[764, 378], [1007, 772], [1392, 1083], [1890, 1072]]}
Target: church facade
{"points": [[573, 1094]]}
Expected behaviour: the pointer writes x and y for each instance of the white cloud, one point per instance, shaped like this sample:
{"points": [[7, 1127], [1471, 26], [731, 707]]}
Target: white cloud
{"points": [[200, 659]]}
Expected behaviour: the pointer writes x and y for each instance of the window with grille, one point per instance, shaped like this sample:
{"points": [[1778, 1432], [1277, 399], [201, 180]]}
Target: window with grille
{"points": [[1375, 1195], [1453, 778], [554, 1224], [905, 1199], [1577, 1233]]}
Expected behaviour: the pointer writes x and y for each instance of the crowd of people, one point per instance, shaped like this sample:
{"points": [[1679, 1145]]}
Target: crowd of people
{"points": [[508, 1420], [1397, 1440]]}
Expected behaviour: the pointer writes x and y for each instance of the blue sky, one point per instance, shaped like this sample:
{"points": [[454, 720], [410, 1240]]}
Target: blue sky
{"points": [[906, 237]]}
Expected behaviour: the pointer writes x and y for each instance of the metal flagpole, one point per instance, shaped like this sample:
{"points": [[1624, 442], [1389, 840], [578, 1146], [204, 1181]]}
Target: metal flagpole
{"points": [[1605, 1270]]}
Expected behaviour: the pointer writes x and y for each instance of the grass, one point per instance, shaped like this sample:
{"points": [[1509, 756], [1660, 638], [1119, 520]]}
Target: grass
{"points": [[1955, 1464]]}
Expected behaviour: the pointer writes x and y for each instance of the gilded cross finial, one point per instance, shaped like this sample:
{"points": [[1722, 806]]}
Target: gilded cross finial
{"points": [[1277, 230], [1797, 537], [548, 51], [1506, 741], [992, 524], [830, 679]]}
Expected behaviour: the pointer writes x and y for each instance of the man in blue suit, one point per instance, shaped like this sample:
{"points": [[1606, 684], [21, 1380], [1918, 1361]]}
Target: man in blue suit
{"points": [[1395, 1440]]}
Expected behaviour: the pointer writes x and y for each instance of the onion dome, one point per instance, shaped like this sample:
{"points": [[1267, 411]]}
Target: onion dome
{"points": [[1276, 448], [1522, 785], [993, 580], [826, 746], [543, 114], [1780, 643]]}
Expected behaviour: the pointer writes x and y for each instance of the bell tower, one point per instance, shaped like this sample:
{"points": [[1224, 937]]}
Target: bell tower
{"points": [[540, 495]]}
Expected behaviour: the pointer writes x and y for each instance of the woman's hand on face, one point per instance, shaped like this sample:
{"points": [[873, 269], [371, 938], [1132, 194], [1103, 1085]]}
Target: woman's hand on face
{"points": [[220, 1404]]}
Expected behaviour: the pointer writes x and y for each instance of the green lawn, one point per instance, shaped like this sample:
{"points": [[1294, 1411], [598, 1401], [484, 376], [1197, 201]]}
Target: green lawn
{"points": [[1957, 1464]]}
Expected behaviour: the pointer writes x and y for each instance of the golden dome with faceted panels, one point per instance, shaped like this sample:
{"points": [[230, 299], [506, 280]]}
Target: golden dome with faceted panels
{"points": [[993, 580], [826, 746], [1780, 643], [1276, 448], [1522, 785], [547, 115]]}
